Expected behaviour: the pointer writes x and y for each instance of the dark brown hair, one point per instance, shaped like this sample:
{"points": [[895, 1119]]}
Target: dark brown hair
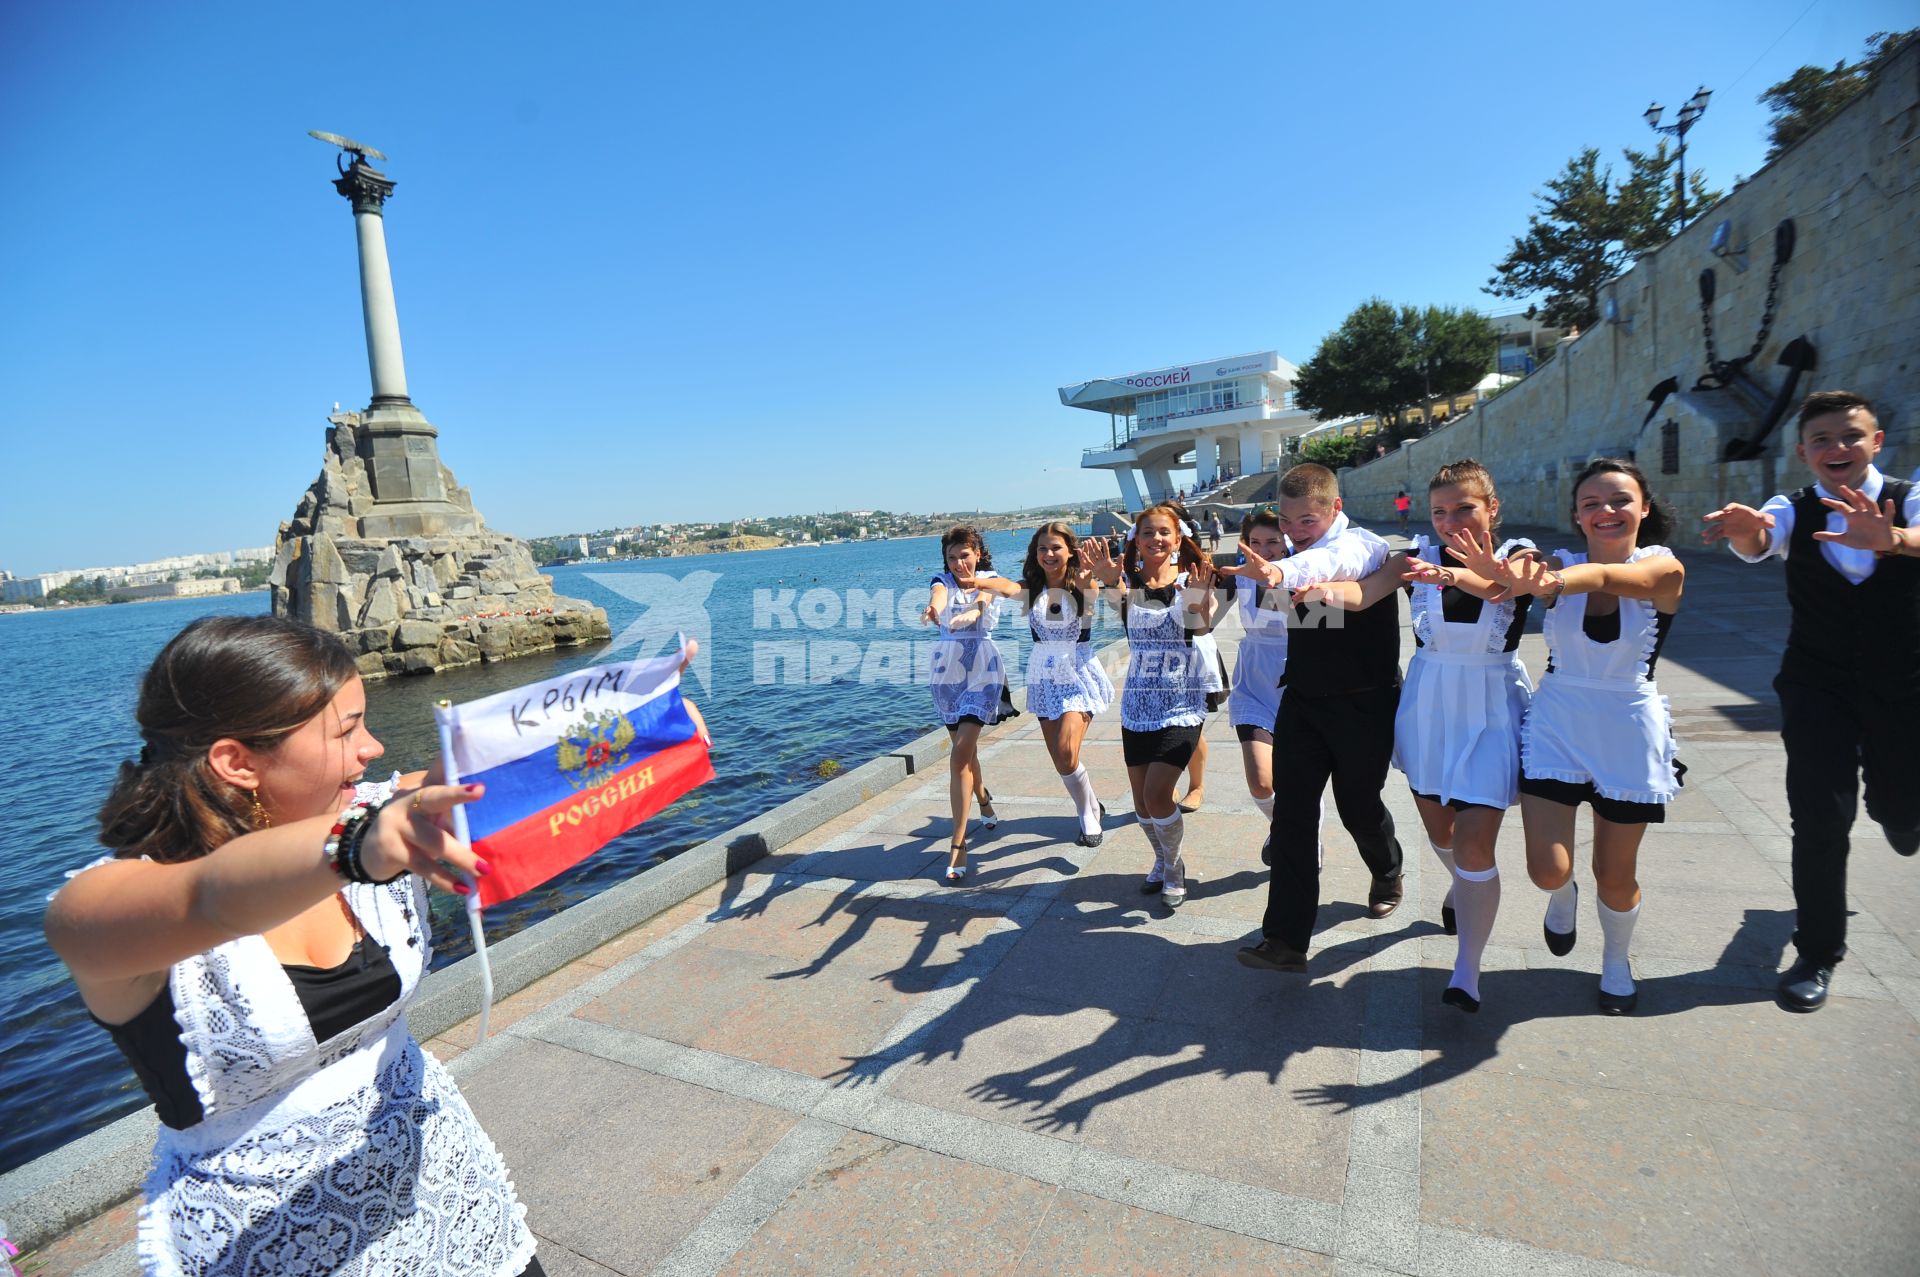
{"points": [[1263, 516], [254, 679], [1467, 473], [1822, 402], [1033, 577], [1656, 527], [965, 534]]}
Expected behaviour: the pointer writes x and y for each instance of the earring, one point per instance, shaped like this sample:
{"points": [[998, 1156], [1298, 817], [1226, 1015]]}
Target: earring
{"points": [[258, 817]]}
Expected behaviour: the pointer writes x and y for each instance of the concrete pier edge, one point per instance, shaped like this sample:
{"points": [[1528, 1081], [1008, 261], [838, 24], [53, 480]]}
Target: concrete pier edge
{"points": [[60, 1190]]}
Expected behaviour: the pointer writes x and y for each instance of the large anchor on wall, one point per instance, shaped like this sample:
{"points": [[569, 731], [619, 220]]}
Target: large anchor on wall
{"points": [[1798, 357]]}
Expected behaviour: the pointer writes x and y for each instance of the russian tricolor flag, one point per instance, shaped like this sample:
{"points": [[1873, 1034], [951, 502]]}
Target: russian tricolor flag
{"points": [[570, 764]]}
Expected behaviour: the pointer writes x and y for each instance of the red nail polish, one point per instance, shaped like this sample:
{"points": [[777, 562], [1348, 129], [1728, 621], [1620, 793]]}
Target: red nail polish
{"points": [[482, 868], [462, 889], [472, 789]]}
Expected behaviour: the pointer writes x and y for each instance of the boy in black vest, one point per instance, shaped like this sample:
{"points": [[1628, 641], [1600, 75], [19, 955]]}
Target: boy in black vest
{"points": [[1336, 721], [1849, 685]]}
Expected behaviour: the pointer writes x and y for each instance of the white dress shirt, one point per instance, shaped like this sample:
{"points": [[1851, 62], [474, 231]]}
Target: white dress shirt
{"points": [[1855, 565], [1345, 553]]}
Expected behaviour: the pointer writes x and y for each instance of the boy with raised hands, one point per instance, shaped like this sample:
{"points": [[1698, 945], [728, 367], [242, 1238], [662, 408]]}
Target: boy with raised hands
{"points": [[1336, 720], [1849, 684]]}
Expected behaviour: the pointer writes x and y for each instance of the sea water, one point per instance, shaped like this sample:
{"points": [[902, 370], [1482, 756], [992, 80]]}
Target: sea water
{"points": [[809, 670]]}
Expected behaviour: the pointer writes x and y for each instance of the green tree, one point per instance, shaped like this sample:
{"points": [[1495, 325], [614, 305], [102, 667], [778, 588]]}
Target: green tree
{"points": [[1810, 96], [1368, 366], [1385, 358], [1454, 348], [1588, 230]]}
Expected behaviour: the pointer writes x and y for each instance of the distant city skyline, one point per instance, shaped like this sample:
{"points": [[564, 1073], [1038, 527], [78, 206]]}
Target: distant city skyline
{"points": [[668, 266]]}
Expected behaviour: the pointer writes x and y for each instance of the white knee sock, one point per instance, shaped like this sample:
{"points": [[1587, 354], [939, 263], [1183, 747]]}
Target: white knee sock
{"points": [[1563, 908], [1266, 807], [1476, 899], [1616, 932], [1172, 830], [1446, 858], [1080, 789], [1151, 828]]}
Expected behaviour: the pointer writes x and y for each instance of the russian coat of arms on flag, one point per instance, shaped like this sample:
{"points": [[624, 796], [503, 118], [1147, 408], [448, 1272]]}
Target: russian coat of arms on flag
{"points": [[570, 764]]}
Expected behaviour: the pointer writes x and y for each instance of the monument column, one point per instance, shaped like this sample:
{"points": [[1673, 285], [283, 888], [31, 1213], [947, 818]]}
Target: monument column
{"points": [[368, 189]]}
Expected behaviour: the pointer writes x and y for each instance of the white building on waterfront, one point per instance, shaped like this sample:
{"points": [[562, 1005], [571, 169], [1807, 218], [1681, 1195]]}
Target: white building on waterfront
{"points": [[1212, 417]]}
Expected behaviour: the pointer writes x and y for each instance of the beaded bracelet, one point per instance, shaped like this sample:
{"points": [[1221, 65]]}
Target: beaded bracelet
{"points": [[345, 841], [348, 819]]}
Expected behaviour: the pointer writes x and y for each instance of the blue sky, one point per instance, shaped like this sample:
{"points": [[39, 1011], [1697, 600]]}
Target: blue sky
{"points": [[703, 262]]}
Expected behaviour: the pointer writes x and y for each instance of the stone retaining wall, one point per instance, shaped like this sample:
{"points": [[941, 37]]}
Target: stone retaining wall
{"points": [[1852, 188]]}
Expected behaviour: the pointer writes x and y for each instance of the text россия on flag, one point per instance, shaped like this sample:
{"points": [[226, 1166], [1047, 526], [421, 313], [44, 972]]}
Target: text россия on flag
{"points": [[569, 764]]}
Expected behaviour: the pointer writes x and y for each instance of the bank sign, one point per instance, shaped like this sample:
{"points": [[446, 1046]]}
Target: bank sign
{"points": [[1187, 374]]}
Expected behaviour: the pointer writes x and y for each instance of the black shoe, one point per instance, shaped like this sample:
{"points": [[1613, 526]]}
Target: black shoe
{"points": [[1559, 944], [1090, 840], [1803, 986], [1905, 841], [1448, 921], [1272, 955], [1461, 998], [1152, 887], [1618, 1003], [1384, 897], [1266, 852]]}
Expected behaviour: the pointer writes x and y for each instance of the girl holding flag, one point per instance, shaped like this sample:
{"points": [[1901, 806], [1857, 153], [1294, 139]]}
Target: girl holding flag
{"points": [[251, 946]]}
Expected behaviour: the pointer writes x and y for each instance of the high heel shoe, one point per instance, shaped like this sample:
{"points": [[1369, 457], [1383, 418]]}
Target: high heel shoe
{"points": [[956, 873], [989, 818]]}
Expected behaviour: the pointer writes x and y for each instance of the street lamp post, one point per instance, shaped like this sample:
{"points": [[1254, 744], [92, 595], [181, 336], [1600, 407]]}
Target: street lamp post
{"points": [[1689, 115]]}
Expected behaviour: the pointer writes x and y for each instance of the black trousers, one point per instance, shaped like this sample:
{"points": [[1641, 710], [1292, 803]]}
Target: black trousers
{"points": [[1350, 739], [1833, 737]]}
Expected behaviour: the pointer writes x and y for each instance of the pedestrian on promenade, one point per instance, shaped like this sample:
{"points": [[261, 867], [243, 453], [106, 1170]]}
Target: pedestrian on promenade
{"points": [[968, 676], [1403, 506], [1066, 687], [1849, 684], [251, 946], [1335, 719], [1170, 679], [1598, 731], [1457, 732], [1214, 528]]}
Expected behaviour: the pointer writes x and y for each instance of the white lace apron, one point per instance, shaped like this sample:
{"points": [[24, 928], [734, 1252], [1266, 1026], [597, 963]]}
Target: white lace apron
{"points": [[1597, 715], [967, 675], [1168, 678], [356, 1155], [1063, 672], [1456, 734]]}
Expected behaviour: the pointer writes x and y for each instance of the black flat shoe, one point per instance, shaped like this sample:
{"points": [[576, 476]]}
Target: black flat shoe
{"points": [[1905, 841], [1448, 921], [1558, 944], [1090, 840], [1152, 887], [1271, 955], [1803, 986], [1266, 851], [1461, 998], [1618, 1003]]}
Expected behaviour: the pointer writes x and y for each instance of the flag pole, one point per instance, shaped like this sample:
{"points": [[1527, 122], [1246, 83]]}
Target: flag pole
{"points": [[443, 719]]}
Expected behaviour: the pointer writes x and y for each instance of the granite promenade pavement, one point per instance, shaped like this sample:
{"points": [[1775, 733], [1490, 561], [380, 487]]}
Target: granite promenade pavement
{"points": [[834, 1063]]}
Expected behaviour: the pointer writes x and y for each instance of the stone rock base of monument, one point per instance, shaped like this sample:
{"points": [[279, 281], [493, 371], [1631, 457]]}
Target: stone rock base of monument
{"points": [[411, 605]]}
